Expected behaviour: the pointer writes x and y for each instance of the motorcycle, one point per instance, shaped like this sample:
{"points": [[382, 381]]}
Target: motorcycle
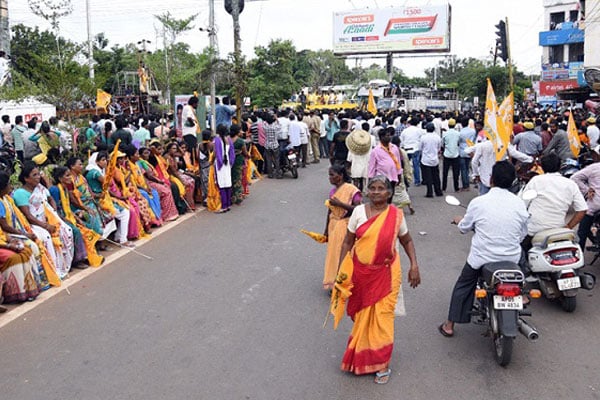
{"points": [[555, 261], [289, 161], [499, 304], [7, 158]]}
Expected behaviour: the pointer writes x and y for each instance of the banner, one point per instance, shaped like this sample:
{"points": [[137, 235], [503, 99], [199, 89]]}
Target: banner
{"points": [[393, 29], [102, 99]]}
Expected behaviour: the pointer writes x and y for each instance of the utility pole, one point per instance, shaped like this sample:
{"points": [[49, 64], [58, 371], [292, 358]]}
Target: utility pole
{"points": [[4, 30], [237, 58], [511, 80], [212, 38], [90, 43], [168, 94]]}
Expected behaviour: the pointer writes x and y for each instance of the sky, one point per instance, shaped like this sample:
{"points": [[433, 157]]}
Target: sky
{"points": [[308, 23]]}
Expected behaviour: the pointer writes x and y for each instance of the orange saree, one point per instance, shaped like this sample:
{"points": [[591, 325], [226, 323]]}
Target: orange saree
{"points": [[336, 231], [368, 285]]}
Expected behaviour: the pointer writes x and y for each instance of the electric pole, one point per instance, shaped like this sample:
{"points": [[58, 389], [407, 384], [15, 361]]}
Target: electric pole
{"points": [[237, 59], [90, 43], [4, 30], [213, 48]]}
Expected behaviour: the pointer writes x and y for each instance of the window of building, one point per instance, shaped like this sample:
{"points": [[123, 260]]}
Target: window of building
{"points": [[576, 52], [556, 18], [556, 54], [573, 15]]}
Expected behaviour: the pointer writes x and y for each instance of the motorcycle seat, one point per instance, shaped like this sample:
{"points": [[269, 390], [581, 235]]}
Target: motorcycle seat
{"points": [[487, 270], [552, 235]]}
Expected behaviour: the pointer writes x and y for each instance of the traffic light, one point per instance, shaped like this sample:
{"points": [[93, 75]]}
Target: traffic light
{"points": [[229, 6], [389, 63], [502, 41]]}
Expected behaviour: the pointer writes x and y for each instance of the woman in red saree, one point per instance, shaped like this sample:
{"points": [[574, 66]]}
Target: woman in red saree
{"points": [[369, 279]]}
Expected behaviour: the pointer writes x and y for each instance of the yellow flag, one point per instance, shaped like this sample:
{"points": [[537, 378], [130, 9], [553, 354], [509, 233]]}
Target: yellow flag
{"points": [[102, 98], [573, 135], [505, 114], [89, 240], [492, 123], [371, 107], [341, 290]]}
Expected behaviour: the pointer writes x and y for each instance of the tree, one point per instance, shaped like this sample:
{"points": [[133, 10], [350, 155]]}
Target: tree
{"points": [[271, 78], [173, 28]]}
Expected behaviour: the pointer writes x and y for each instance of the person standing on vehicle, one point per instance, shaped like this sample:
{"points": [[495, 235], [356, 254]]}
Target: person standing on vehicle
{"points": [[556, 195], [450, 144], [499, 220], [411, 143], [588, 181]]}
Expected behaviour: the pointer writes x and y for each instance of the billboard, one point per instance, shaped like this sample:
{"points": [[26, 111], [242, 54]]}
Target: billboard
{"points": [[550, 88], [394, 29]]}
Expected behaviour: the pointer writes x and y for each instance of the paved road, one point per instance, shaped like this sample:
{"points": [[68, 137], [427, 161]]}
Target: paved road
{"points": [[231, 308]]}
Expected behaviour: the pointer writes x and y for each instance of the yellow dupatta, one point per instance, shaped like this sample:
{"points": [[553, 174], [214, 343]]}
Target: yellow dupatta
{"points": [[162, 166], [213, 199], [89, 236], [47, 263]]}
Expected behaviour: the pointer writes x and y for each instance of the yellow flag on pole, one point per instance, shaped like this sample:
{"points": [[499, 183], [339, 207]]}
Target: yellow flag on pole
{"points": [[573, 135], [371, 107], [505, 114], [102, 98], [493, 124]]}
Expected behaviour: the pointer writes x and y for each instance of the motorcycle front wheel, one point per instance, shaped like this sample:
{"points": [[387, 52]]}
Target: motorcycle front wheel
{"points": [[294, 170], [503, 349]]}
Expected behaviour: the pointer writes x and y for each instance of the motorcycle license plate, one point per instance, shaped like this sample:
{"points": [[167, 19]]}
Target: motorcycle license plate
{"points": [[508, 303], [568, 283], [291, 156]]}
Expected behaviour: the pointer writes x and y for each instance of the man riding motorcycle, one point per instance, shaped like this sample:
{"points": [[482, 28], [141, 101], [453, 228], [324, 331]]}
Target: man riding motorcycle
{"points": [[556, 195], [499, 219]]}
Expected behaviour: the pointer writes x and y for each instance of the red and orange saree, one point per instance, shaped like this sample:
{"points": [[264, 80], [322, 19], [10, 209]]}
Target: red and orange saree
{"points": [[368, 284]]}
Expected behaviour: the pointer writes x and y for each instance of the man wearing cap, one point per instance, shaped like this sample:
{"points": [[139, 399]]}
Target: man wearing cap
{"points": [[450, 143], [528, 142], [593, 133]]}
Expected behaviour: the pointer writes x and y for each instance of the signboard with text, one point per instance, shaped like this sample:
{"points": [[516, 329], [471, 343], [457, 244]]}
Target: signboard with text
{"points": [[394, 29], [550, 88]]}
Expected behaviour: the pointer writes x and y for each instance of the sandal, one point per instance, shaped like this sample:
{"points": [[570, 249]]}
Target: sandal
{"points": [[382, 378]]}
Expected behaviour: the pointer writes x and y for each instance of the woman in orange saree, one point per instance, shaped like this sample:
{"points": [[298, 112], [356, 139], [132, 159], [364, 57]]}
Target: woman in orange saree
{"points": [[369, 281], [342, 200]]}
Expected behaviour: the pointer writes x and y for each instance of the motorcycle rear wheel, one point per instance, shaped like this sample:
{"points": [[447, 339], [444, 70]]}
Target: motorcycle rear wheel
{"points": [[503, 347], [294, 170], [568, 304]]}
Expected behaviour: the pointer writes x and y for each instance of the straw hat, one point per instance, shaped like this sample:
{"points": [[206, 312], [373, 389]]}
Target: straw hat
{"points": [[359, 142]]}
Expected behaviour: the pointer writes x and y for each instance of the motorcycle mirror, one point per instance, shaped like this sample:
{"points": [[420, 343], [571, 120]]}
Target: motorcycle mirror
{"points": [[453, 201], [529, 195]]}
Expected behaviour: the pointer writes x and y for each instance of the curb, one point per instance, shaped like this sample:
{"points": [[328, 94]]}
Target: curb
{"points": [[15, 311]]}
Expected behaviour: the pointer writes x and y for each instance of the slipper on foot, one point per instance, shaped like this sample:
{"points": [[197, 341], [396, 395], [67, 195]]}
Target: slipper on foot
{"points": [[443, 331], [381, 378]]}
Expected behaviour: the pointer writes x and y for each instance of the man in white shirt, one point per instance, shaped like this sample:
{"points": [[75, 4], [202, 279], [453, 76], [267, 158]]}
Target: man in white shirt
{"points": [[304, 140], [450, 143], [499, 220], [483, 161], [430, 146], [411, 143], [556, 195], [189, 124]]}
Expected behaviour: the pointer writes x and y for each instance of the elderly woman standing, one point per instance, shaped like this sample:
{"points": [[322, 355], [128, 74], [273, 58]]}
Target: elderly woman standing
{"points": [[343, 197], [369, 280]]}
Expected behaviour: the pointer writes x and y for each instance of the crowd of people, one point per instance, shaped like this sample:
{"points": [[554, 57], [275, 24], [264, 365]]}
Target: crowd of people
{"points": [[117, 180]]}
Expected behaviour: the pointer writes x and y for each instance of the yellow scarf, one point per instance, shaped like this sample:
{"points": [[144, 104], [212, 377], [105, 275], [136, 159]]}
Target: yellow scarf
{"points": [[47, 263], [89, 236], [398, 166]]}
